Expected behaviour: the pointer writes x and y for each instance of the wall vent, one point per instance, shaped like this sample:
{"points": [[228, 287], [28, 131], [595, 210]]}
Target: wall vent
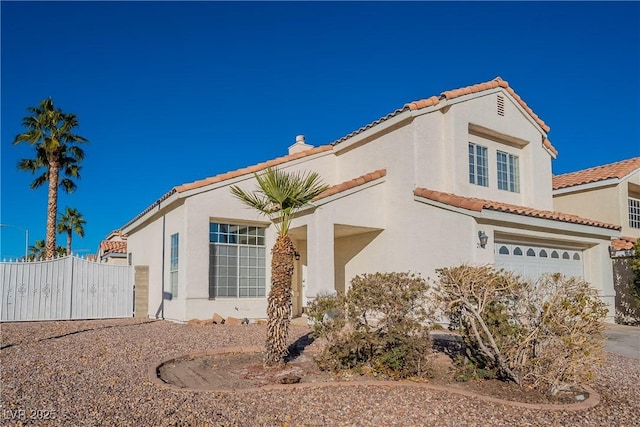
{"points": [[500, 105]]}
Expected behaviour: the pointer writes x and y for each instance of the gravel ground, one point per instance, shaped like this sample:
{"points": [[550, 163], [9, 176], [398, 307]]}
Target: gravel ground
{"points": [[94, 373]]}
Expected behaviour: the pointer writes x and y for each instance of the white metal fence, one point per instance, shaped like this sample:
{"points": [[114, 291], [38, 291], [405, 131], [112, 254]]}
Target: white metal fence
{"points": [[65, 288]]}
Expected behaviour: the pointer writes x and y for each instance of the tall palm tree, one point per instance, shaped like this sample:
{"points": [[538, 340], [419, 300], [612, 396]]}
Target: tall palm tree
{"points": [[36, 252], [69, 222], [279, 196], [51, 132]]}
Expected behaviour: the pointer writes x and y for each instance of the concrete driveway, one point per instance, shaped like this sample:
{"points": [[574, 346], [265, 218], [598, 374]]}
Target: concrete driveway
{"points": [[624, 340]]}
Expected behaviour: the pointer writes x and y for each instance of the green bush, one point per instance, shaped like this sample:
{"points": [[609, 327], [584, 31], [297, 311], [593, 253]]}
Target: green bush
{"points": [[380, 326]]}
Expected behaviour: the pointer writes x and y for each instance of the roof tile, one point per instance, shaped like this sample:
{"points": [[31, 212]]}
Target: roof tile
{"points": [[451, 94], [338, 188], [233, 174], [599, 173], [251, 169], [546, 143], [113, 247], [623, 243], [475, 204]]}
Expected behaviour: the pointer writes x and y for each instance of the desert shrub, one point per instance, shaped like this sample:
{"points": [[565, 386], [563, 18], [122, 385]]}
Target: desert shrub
{"points": [[384, 326], [327, 315], [569, 332], [468, 370], [545, 334]]}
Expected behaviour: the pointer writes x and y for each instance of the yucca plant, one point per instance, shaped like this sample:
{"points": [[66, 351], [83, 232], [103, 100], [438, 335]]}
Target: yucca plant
{"points": [[279, 195]]}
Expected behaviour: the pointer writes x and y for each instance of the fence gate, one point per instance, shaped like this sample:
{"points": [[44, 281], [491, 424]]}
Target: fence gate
{"points": [[65, 288]]}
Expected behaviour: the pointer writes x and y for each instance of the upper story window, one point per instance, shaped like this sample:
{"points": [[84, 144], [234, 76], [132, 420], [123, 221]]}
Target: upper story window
{"points": [[478, 170], [634, 212], [508, 172]]}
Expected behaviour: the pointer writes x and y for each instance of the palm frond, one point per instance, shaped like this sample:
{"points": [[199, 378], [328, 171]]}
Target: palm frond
{"points": [[40, 181], [280, 194], [253, 200], [68, 186], [30, 165]]}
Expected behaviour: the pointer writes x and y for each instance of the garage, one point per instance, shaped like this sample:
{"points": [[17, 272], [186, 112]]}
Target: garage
{"points": [[532, 261]]}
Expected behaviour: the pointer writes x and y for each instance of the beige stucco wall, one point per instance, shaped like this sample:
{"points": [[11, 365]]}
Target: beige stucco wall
{"points": [[602, 204], [146, 246], [607, 203], [219, 205], [378, 226], [441, 140], [116, 261]]}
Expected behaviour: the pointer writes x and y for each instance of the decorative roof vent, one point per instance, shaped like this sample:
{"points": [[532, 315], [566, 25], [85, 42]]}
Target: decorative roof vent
{"points": [[300, 145], [500, 105]]}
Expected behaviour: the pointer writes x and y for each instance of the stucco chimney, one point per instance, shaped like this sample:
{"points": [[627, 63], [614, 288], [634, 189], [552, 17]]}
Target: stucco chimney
{"points": [[300, 145]]}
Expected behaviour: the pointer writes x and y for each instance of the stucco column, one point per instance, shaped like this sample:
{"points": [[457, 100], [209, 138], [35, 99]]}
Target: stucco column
{"points": [[320, 261], [608, 292]]}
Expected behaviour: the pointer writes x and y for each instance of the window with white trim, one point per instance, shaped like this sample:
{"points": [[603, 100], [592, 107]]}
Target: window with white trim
{"points": [[634, 212], [478, 169], [508, 172], [173, 265], [237, 261]]}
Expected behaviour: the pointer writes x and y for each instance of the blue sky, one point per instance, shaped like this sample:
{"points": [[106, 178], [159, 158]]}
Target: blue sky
{"points": [[171, 92]]}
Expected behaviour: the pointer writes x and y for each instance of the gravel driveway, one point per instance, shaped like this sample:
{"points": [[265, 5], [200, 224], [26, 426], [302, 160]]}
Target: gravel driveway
{"points": [[94, 373]]}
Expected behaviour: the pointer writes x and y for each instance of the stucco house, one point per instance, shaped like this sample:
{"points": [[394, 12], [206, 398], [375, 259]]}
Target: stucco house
{"points": [[113, 250], [461, 177], [609, 193]]}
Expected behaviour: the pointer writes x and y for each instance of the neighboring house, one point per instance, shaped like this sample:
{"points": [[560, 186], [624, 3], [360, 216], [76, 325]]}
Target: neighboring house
{"points": [[623, 246], [113, 250], [609, 193], [413, 191]]}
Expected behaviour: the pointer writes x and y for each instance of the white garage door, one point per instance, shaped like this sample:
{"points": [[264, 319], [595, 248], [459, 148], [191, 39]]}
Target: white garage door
{"points": [[533, 261]]}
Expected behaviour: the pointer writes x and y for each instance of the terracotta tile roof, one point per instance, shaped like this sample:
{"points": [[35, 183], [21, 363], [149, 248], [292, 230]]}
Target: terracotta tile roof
{"points": [[370, 125], [335, 189], [116, 233], [252, 169], [92, 257], [599, 173], [229, 175], [547, 144], [623, 243], [113, 247], [451, 94], [478, 205]]}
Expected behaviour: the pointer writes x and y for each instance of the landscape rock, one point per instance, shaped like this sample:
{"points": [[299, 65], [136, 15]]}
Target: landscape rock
{"points": [[217, 319], [233, 321]]}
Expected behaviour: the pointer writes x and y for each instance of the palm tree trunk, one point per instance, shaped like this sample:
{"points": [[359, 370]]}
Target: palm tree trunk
{"points": [[69, 231], [52, 209], [279, 302]]}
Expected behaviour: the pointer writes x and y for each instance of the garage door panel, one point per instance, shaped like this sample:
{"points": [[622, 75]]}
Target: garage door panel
{"points": [[533, 261]]}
